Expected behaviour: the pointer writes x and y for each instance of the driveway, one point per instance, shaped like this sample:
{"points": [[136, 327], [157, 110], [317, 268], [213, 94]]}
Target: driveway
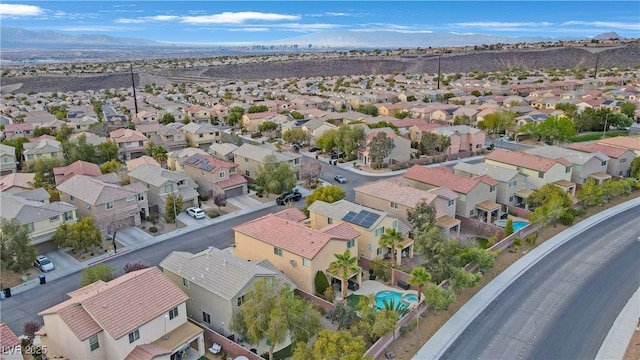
{"points": [[244, 201], [132, 235]]}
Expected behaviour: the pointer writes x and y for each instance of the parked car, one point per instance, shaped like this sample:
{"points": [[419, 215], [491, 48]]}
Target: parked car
{"points": [[337, 155], [196, 212], [314, 149], [352, 285], [341, 179], [293, 195], [43, 263]]}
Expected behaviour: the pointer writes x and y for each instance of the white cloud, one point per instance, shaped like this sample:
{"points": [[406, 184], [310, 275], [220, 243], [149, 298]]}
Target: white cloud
{"points": [[606, 24], [10, 10], [250, 29], [497, 24], [93, 28], [237, 18]]}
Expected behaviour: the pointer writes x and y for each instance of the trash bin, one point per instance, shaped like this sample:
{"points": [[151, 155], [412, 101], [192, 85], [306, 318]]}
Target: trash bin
{"points": [[316, 157], [7, 293], [43, 279]]}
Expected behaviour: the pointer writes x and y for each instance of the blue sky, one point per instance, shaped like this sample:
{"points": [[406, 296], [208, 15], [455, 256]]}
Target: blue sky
{"points": [[263, 21]]}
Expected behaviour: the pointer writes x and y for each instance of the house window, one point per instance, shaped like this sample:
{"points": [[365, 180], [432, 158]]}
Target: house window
{"points": [[109, 205], [232, 171], [623, 160], [351, 243], [395, 224], [5, 159], [277, 251], [54, 154], [30, 157], [450, 203], [492, 188], [472, 212], [134, 335], [68, 216], [306, 262], [604, 163], [566, 170], [141, 197], [379, 231], [394, 205], [246, 159], [140, 143], [379, 251], [240, 300], [173, 313], [329, 221], [185, 282], [29, 227], [180, 183], [578, 167], [54, 218], [222, 174], [510, 198], [168, 188], [201, 136], [463, 197], [541, 174], [206, 317], [246, 173], [93, 342], [130, 198]]}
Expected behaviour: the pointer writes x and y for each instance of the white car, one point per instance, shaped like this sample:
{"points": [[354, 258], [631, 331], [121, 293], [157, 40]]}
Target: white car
{"points": [[43, 263], [196, 212]]}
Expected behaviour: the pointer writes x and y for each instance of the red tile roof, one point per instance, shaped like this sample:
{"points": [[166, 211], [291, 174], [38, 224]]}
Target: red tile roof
{"points": [[408, 122], [18, 127], [341, 230], [525, 160], [373, 134], [204, 162], [7, 338], [233, 180], [126, 135], [119, 306], [627, 142], [147, 352], [292, 214], [42, 137], [610, 151], [441, 176], [287, 235], [79, 167], [427, 126]]}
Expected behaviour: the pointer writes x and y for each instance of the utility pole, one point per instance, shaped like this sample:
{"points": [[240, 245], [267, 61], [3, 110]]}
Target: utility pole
{"points": [[133, 85], [595, 73], [604, 131], [439, 74]]}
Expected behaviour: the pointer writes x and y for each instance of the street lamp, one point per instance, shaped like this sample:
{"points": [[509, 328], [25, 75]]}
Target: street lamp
{"points": [[175, 214]]}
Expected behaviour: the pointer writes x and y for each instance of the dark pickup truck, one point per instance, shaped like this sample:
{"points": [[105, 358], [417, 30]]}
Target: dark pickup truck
{"points": [[288, 196]]}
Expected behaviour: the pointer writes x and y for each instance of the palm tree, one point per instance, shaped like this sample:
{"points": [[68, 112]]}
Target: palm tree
{"points": [[391, 238], [443, 143], [419, 277], [159, 154], [343, 267]]}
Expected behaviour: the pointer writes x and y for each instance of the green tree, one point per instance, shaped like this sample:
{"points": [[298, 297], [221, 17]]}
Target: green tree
{"points": [[380, 147], [100, 128], [39, 131], [79, 150], [80, 235], [267, 127], [545, 193], [629, 109], [333, 345], [439, 298], [342, 314], [43, 169], [422, 216], [508, 227], [294, 135], [63, 132], [348, 138], [428, 142], [320, 282], [634, 168], [274, 177], [443, 143], [173, 206], [271, 314], [328, 194], [111, 166], [235, 116], [17, 143], [461, 278], [462, 120], [497, 122], [328, 140], [438, 253], [107, 151], [16, 251], [343, 267], [231, 139], [589, 194], [483, 258], [167, 119], [92, 274], [419, 277], [159, 154], [257, 108], [556, 129], [368, 109], [374, 323], [391, 238]]}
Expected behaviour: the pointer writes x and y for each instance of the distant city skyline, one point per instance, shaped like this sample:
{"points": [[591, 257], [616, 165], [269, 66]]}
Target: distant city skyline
{"points": [[251, 22]]}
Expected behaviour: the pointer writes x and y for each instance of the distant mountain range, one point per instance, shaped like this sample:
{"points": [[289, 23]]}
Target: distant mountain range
{"points": [[11, 37]]}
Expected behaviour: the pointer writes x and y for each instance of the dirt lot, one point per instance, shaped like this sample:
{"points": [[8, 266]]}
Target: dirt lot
{"points": [[404, 347]]}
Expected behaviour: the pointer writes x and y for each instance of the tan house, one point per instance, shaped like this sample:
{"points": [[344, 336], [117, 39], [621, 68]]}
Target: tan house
{"points": [[45, 148], [416, 131], [539, 170], [41, 219], [139, 315], [400, 153], [217, 282], [63, 173], [198, 114], [463, 138], [223, 151], [512, 187], [8, 163], [368, 222], [620, 158], [175, 159], [251, 121], [476, 196], [80, 124], [167, 137], [585, 165], [17, 182], [108, 204], [250, 158], [624, 142], [395, 196], [293, 248], [142, 160], [215, 176], [130, 143], [161, 183], [201, 135]]}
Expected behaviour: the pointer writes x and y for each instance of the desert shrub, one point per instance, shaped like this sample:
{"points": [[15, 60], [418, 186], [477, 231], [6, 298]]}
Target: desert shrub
{"points": [[29, 328], [153, 229], [129, 267], [517, 242], [329, 294], [531, 239], [212, 213], [566, 218]]}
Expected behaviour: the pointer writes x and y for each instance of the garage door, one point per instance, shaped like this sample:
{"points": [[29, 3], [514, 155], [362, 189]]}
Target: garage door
{"points": [[237, 191]]}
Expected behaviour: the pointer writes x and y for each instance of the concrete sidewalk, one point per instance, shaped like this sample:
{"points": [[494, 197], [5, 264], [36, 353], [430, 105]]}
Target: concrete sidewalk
{"points": [[449, 332]]}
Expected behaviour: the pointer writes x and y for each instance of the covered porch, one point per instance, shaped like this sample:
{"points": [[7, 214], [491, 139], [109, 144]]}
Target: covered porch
{"points": [[521, 197], [567, 186], [600, 177], [184, 342], [488, 211], [450, 225]]}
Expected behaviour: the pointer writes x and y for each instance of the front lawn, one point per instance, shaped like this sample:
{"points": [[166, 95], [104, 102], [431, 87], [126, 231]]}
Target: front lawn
{"points": [[596, 136]]}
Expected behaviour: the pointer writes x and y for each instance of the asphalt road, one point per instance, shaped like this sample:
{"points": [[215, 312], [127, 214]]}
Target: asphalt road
{"points": [[563, 307]]}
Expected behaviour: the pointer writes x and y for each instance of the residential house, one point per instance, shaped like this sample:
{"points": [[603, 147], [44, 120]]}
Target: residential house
{"points": [[624, 142], [80, 124], [139, 315], [10, 344], [539, 170], [113, 117], [369, 223], [395, 196], [9, 161], [109, 205], [130, 143], [585, 165], [620, 159], [404, 125], [416, 131], [251, 121], [215, 176], [145, 117], [476, 196], [63, 173], [223, 151], [400, 153], [161, 183], [201, 135], [144, 159], [169, 138], [293, 248], [175, 160], [198, 114], [217, 282], [41, 219], [250, 158], [463, 138], [512, 187], [17, 182], [89, 137], [45, 148], [18, 130], [444, 115]]}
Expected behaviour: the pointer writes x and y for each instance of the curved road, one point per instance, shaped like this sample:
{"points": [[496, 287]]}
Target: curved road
{"points": [[564, 306]]}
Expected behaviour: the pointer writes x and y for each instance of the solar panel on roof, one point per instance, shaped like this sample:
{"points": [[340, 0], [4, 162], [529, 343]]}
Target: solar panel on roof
{"points": [[191, 160], [369, 220], [349, 216]]}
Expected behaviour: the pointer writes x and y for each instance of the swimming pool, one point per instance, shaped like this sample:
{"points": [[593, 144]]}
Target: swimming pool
{"points": [[517, 225], [411, 297], [389, 296]]}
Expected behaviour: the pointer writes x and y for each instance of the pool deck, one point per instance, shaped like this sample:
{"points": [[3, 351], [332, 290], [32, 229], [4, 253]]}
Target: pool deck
{"points": [[372, 287]]}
